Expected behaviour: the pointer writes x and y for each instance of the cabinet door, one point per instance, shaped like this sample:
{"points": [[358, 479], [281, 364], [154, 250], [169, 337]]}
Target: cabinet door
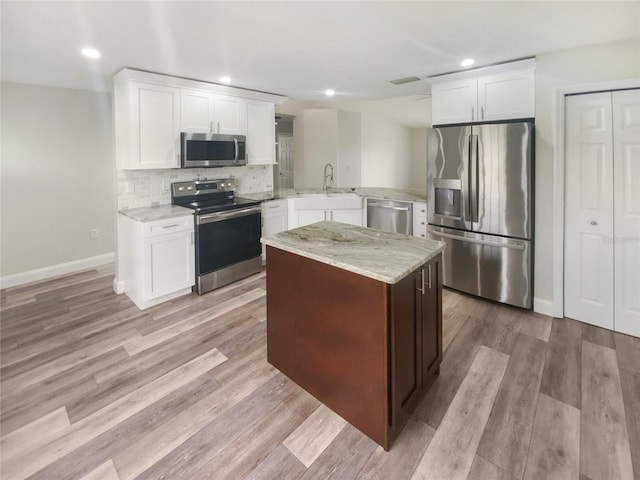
{"points": [[506, 95], [307, 217], [155, 125], [230, 116], [353, 216], [169, 262], [406, 378], [260, 133], [196, 111], [454, 102], [429, 311]]}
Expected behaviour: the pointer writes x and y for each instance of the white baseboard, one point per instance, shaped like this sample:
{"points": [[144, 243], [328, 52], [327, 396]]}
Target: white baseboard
{"points": [[118, 286], [545, 307], [55, 270]]}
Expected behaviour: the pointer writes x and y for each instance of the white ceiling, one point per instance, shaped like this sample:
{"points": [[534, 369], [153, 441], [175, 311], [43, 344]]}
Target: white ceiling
{"points": [[297, 49]]}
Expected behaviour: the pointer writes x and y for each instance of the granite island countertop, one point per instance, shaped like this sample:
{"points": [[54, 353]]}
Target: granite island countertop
{"points": [[383, 256]]}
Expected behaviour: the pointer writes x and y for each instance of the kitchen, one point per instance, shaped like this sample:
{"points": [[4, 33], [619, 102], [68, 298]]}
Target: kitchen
{"points": [[27, 108]]}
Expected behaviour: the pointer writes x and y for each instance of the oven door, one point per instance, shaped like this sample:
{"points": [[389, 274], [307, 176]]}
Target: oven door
{"points": [[226, 238]]}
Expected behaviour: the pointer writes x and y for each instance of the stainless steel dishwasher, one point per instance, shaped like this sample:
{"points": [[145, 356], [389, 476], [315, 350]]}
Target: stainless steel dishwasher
{"points": [[389, 215]]}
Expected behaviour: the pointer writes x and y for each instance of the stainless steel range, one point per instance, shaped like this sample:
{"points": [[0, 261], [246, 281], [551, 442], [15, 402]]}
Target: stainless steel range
{"points": [[227, 231]]}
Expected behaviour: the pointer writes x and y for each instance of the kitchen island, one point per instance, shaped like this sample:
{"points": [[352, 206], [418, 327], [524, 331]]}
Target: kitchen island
{"points": [[354, 316]]}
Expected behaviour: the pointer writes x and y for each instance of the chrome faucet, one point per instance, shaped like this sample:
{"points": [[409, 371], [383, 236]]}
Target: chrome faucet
{"points": [[325, 187]]}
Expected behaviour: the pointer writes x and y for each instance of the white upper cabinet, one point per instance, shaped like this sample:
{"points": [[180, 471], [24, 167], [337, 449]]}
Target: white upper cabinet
{"points": [[151, 110], [506, 95], [454, 102], [206, 112], [230, 115], [197, 111], [503, 92], [260, 133], [148, 126]]}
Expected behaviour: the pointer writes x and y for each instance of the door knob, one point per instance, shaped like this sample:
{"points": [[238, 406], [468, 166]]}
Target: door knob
{"points": [[593, 222]]}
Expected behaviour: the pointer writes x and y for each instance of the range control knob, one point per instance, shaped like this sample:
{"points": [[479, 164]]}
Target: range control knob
{"points": [[180, 189], [189, 187]]}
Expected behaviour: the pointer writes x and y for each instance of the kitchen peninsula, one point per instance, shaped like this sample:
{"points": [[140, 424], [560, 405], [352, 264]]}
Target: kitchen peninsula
{"points": [[354, 316]]}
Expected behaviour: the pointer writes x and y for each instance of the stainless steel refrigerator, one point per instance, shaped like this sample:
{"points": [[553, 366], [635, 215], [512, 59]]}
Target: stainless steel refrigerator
{"points": [[480, 189]]}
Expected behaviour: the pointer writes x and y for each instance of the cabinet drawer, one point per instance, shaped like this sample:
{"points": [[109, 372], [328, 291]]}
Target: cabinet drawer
{"points": [[274, 207], [162, 227], [419, 209]]}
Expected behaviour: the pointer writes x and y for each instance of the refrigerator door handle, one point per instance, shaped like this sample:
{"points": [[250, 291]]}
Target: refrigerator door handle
{"points": [[478, 241], [466, 195], [473, 179]]}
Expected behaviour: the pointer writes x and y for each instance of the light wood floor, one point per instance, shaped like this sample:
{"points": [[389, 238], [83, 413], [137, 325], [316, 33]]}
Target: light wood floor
{"points": [[93, 388]]}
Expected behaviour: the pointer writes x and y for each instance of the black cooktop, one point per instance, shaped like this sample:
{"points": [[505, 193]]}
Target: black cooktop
{"points": [[212, 206]]}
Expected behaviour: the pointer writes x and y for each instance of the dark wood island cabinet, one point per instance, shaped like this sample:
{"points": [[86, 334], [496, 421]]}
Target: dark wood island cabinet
{"points": [[354, 316]]}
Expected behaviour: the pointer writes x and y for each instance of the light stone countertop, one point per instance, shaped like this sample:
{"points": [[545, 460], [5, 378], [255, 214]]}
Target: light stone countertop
{"points": [[404, 194], [383, 256], [157, 212]]}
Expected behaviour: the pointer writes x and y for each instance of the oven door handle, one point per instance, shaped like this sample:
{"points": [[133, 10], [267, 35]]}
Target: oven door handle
{"points": [[220, 216]]}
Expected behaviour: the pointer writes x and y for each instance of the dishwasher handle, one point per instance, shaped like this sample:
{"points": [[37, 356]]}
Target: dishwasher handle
{"points": [[389, 207]]}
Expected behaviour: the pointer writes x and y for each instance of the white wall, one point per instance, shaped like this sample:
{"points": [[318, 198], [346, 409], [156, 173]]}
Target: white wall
{"points": [[418, 166], [349, 164], [320, 144], [385, 143], [608, 62], [385, 152], [57, 176]]}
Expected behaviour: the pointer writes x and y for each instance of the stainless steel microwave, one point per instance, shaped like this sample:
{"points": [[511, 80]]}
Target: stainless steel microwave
{"points": [[212, 150]]}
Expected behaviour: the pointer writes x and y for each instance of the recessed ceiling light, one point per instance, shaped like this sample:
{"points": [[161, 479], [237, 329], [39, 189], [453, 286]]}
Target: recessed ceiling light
{"points": [[329, 92], [91, 53], [467, 62], [225, 79]]}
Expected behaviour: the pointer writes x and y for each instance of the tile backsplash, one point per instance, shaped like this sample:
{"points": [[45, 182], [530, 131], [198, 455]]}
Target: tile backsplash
{"points": [[143, 188]]}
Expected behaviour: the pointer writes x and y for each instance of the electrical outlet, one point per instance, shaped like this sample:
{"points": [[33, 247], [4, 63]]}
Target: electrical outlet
{"points": [[95, 233]]}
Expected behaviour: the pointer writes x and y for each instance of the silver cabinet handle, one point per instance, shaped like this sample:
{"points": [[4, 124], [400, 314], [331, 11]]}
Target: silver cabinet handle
{"points": [[593, 222], [429, 284], [472, 114], [482, 113], [421, 288], [171, 226], [211, 126]]}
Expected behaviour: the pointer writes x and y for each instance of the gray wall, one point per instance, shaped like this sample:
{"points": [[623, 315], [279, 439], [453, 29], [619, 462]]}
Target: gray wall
{"points": [[57, 176]]}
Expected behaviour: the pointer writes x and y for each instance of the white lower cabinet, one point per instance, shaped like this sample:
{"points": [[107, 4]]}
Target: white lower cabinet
{"points": [[158, 259], [420, 219], [306, 217], [305, 211], [351, 216], [274, 219]]}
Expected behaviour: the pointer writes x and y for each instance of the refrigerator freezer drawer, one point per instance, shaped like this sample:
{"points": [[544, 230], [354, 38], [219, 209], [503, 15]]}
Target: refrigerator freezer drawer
{"points": [[492, 267]]}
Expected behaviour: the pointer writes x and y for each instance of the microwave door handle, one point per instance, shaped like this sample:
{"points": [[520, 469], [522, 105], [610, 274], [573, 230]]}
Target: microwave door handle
{"points": [[235, 142]]}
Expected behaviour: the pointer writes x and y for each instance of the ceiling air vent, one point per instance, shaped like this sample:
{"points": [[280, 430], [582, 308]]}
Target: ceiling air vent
{"points": [[401, 81]]}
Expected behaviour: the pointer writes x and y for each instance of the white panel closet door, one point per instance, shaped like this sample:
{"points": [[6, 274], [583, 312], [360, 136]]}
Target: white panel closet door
{"points": [[626, 153], [589, 269]]}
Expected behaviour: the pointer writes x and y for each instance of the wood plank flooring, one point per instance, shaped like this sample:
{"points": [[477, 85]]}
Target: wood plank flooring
{"points": [[92, 388]]}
